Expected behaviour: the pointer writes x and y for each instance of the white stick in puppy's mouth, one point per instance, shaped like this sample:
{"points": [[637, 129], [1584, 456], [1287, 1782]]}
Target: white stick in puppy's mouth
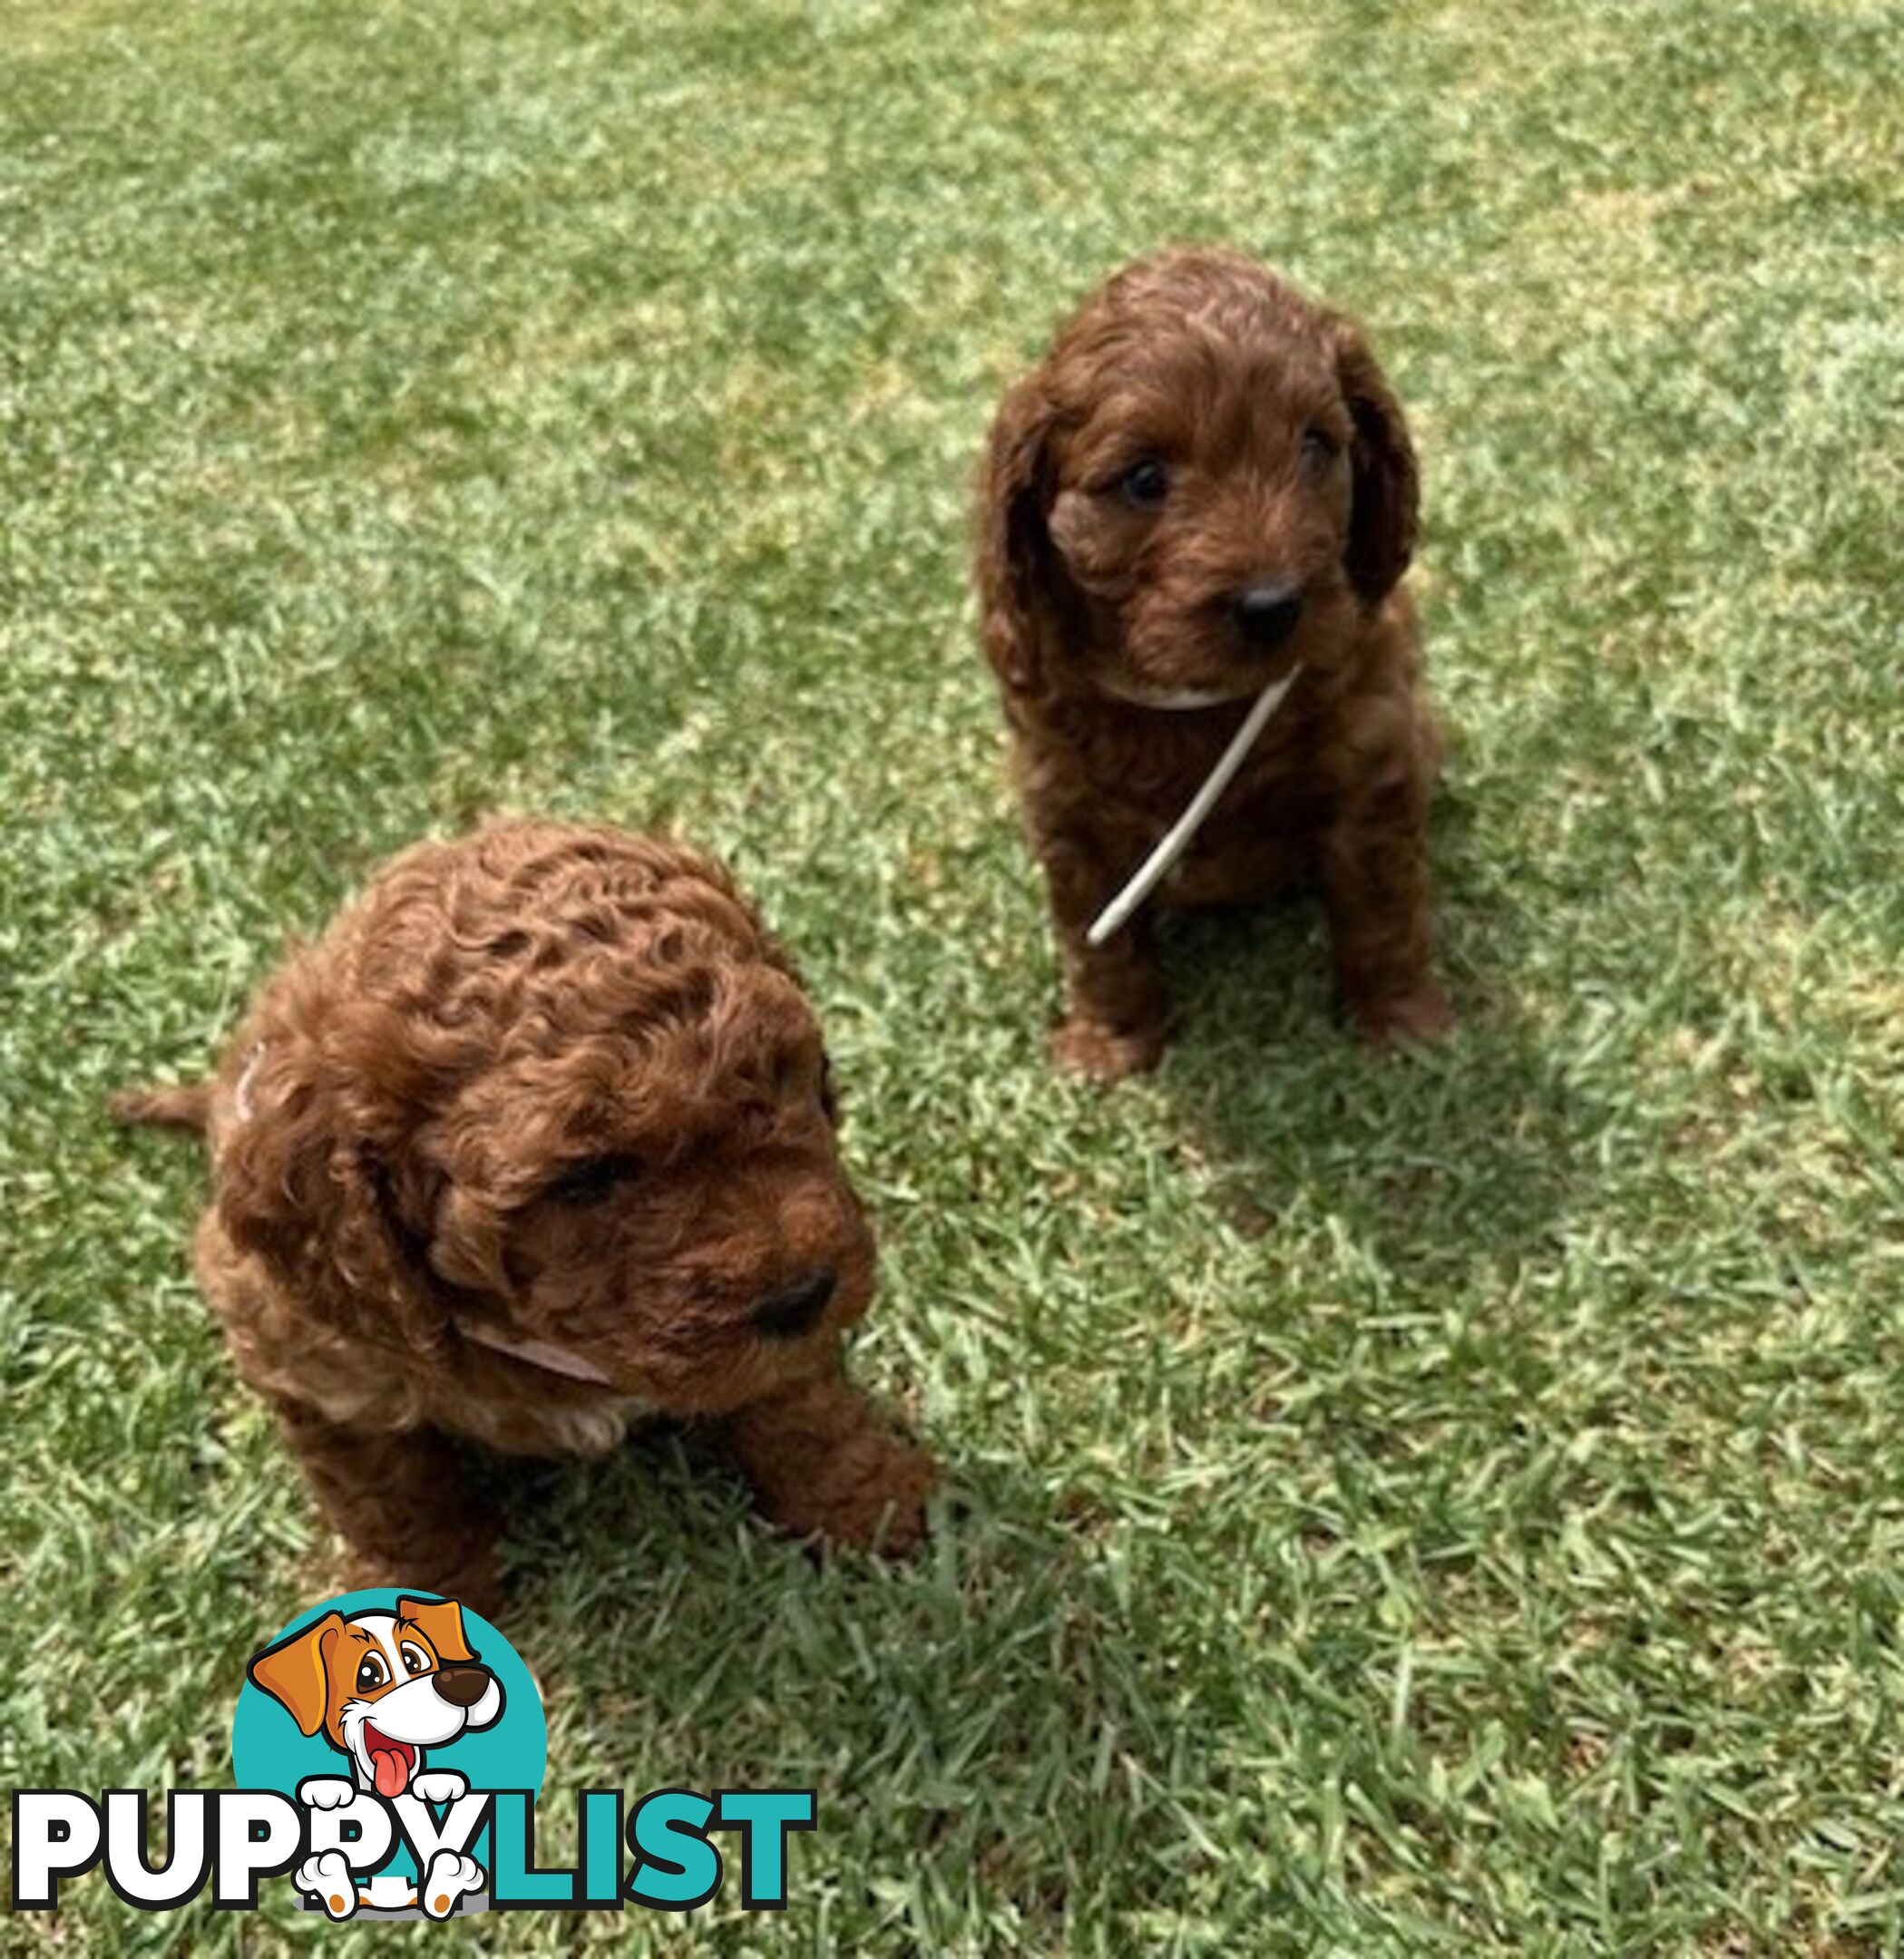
{"points": [[1177, 839]]}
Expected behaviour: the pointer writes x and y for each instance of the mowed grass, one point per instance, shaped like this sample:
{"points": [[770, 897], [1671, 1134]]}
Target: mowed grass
{"points": [[1451, 1504]]}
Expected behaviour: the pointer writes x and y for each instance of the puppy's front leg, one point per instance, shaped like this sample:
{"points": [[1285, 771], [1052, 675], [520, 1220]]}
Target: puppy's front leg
{"points": [[1115, 1009], [402, 1503], [822, 1464], [1375, 886]]}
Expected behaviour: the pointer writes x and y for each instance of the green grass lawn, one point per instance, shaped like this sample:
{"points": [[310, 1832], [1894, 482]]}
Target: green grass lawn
{"points": [[1448, 1505]]}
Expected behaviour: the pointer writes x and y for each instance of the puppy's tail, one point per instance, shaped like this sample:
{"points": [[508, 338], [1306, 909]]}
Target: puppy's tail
{"points": [[185, 1106]]}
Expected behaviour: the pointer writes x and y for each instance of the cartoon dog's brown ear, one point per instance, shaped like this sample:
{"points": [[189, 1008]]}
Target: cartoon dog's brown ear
{"points": [[1387, 487], [1014, 552], [293, 1671], [440, 1620]]}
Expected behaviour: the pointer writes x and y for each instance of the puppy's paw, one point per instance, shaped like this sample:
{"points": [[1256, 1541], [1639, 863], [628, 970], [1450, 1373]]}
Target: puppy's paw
{"points": [[449, 1878], [467, 1572], [475, 1580], [1102, 1054], [326, 1792], [872, 1496], [327, 1877], [439, 1785], [1423, 1015]]}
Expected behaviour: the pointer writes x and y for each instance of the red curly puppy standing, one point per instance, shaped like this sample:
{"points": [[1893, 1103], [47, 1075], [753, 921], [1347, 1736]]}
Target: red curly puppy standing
{"points": [[1207, 486], [538, 1139]]}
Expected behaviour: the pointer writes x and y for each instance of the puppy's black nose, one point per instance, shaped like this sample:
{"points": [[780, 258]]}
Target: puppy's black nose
{"points": [[1266, 612], [462, 1686], [796, 1309]]}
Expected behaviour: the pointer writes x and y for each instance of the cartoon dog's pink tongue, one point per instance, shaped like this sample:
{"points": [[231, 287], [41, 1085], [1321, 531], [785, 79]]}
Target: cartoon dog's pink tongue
{"points": [[389, 1761]]}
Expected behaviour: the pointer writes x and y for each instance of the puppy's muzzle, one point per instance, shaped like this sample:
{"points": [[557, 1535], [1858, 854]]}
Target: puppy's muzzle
{"points": [[1266, 612]]}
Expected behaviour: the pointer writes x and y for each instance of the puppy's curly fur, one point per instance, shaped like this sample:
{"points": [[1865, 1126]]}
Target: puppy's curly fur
{"points": [[550, 1088], [1206, 481]]}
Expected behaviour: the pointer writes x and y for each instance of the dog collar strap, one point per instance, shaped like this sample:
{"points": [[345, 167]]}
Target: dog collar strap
{"points": [[539, 1353], [1177, 839], [241, 1094]]}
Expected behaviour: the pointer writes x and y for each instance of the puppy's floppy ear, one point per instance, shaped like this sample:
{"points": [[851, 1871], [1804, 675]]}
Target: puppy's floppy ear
{"points": [[294, 1672], [441, 1623], [1382, 523], [312, 1176], [1014, 557]]}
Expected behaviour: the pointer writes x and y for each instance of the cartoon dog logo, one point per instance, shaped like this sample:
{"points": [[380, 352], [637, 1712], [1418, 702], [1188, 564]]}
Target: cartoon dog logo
{"points": [[381, 1687]]}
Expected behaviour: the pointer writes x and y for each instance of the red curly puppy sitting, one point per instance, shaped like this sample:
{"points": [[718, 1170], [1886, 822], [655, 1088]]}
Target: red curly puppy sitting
{"points": [[1205, 488], [538, 1139]]}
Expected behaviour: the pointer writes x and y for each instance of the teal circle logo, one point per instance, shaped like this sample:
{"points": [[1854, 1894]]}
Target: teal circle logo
{"points": [[401, 1695]]}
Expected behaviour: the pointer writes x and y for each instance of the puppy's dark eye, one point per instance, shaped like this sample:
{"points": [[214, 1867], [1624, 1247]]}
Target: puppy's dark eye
{"points": [[372, 1673], [796, 1309], [1319, 449], [593, 1180], [1145, 486]]}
